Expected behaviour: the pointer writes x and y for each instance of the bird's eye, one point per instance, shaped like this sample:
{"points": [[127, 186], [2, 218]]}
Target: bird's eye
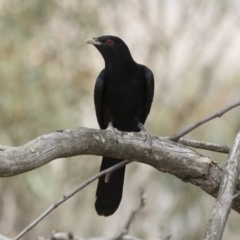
{"points": [[109, 41]]}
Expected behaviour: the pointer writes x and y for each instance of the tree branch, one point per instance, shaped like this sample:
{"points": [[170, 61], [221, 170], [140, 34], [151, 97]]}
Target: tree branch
{"points": [[166, 156], [125, 229], [55, 235], [222, 208], [199, 123], [66, 197], [202, 145]]}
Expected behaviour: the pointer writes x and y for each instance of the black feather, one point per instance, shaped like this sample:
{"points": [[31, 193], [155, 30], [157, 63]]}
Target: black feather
{"points": [[123, 94]]}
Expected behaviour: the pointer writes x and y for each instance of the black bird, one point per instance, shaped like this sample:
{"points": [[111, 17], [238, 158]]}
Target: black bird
{"points": [[123, 96]]}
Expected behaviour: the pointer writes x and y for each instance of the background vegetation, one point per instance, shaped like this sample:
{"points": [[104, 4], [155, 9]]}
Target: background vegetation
{"points": [[47, 76]]}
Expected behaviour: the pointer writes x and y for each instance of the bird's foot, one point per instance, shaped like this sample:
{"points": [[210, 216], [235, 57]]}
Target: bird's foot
{"points": [[113, 130], [147, 136]]}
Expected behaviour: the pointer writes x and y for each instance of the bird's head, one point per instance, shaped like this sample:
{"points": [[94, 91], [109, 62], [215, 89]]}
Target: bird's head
{"points": [[111, 47]]}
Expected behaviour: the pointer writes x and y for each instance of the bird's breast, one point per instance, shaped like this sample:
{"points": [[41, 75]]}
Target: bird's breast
{"points": [[123, 96], [122, 89]]}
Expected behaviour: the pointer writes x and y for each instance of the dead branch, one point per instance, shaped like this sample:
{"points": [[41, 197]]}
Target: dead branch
{"points": [[205, 145], [66, 197], [125, 229], [202, 145], [166, 156], [55, 235], [199, 123], [223, 204]]}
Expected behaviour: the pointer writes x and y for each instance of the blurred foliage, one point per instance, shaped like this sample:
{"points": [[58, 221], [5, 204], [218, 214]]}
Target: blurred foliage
{"points": [[47, 77]]}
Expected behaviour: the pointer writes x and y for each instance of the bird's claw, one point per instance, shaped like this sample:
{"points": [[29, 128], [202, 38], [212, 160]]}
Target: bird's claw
{"points": [[113, 130], [146, 135]]}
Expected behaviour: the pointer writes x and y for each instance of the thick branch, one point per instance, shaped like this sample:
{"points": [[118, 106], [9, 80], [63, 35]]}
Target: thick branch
{"points": [[222, 208], [166, 156]]}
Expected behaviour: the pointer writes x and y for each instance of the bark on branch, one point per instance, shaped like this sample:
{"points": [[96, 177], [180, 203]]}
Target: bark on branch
{"points": [[222, 208], [166, 156]]}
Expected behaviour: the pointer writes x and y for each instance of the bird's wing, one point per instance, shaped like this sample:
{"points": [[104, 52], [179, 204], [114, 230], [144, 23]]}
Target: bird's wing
{"points": [[98, 97], [149, 91]]}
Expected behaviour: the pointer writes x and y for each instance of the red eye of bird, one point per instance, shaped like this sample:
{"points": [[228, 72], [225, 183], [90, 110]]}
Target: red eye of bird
{"points": [[109, 41]]}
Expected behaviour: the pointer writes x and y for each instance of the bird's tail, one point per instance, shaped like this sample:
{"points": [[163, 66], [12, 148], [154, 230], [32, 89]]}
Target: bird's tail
{"points": [[109, 194]]}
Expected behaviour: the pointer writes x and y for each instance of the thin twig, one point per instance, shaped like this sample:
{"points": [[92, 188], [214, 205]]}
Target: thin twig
{"points": [[133, 213], [199, 123], [202, 145], [221, 210], [236, 195], [66, 197], [125, 230], [205, 145]]}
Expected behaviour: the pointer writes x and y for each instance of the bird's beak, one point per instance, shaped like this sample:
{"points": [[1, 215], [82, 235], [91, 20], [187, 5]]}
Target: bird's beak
{"points": [[93, 41]]}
